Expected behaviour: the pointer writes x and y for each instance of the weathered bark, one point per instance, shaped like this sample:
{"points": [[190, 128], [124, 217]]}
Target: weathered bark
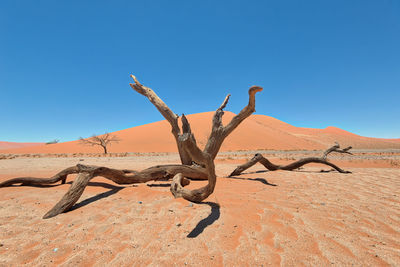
{"points": [[188, 151], [220, 132], [61, 176], [203, 158], [72, 196], [335, 148], [87, 172], [294, 165], [155, 173], [166, 112]]}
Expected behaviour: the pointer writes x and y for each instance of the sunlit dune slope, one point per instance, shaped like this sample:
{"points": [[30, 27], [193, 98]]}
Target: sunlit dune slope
{"points": [[256, 132], [12, 145]]}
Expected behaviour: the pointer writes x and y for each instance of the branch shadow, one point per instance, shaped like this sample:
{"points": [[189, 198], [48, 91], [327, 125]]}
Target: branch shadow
{"points": [[114, 190], [204, 223], [295, 170], [316, 171], [36, 185], [108, 186], [252, 172], [159, 185], [261, 180], [101, 184]]}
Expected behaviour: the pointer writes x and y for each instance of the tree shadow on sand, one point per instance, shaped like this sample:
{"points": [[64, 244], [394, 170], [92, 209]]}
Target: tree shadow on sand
{"points": [[114, 190], [261, 180], [301, 169], [204, 223], [159, 185]]}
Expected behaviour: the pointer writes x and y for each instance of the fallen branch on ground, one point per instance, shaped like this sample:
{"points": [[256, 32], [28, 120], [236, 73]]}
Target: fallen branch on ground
{"points": [[294, 165]]}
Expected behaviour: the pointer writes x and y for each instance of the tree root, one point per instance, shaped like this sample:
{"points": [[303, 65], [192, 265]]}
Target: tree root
{"points": [[88, 172]]}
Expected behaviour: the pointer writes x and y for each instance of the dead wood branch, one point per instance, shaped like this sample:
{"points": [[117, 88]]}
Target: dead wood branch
{"points": [[335, 148], [88, 172], [220, 132], [294, 165], [166, 112], [156, 173], [187, 147], [203, 158]]}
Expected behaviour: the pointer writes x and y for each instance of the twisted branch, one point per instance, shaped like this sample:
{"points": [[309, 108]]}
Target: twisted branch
{"points": [[188, 151], [294, 165], [335, 148], [166, 112], [203, 158]]}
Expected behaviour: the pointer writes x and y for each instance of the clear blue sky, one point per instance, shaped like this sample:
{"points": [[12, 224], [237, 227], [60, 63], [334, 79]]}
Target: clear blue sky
{"points": [[65, 65]]}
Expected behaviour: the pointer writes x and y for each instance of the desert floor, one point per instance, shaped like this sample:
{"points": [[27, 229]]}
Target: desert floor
{"points": [[298, 218]]}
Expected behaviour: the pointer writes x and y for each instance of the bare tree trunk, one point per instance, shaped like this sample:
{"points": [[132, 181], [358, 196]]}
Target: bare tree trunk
{"points": [[189, 143], [294, 165]]}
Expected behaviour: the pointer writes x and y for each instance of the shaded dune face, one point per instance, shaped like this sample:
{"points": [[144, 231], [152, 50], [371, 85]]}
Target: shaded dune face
{"points": [[256, 132]]}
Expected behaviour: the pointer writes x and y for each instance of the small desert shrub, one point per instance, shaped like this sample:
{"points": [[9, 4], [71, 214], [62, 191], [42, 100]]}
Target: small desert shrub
{"points": [[394, 163]]}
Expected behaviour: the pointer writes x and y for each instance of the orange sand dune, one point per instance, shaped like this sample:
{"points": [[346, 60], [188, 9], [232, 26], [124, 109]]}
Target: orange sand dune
{"points": [[257, 132], [12, 145]]}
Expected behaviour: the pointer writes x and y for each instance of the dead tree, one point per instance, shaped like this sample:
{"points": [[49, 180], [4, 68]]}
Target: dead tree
{"points": [[189, 152], [294, 165], [104, 141]]}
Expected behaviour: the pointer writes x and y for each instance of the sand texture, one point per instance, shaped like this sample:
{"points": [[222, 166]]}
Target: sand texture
{"points": [[301, 218]]}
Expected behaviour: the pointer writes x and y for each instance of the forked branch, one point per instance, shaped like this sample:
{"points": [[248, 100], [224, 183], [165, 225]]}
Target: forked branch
{"points": [[336, 148], [188, 150], [203, 158], [220, 132], [166, 112]]}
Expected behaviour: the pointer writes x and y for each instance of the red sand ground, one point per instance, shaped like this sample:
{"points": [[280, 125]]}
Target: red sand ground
{"points": [[282, 218], [256, 132], [299, 218]]}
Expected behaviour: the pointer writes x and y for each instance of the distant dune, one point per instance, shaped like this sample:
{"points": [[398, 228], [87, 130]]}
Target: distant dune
{"points": [[256, 132], [12, 145]]}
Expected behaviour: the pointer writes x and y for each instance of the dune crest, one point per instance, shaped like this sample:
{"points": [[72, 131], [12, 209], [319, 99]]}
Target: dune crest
{"points": [[257, 132]]}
